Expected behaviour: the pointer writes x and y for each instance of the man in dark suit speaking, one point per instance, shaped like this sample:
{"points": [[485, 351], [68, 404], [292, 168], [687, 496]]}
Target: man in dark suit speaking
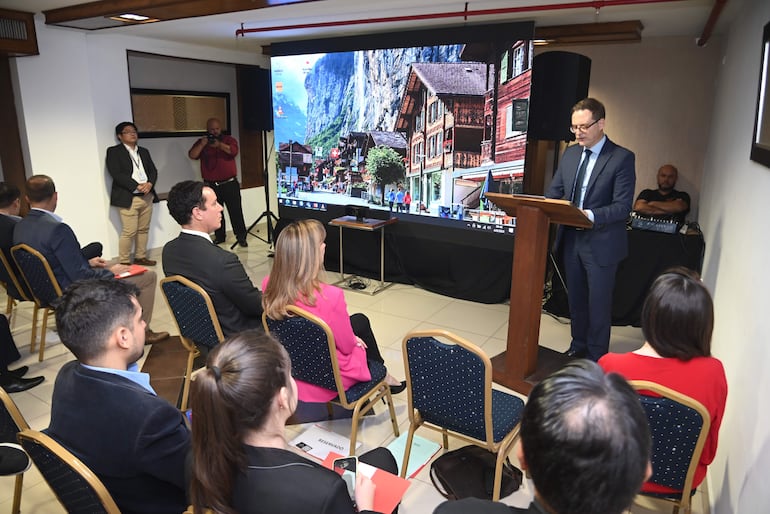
{"points": [[598, 176], [236, 300]]}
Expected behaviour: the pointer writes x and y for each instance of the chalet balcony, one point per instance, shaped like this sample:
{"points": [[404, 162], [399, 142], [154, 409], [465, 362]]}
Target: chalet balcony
{"points": [[469, 116], [463, 160]]}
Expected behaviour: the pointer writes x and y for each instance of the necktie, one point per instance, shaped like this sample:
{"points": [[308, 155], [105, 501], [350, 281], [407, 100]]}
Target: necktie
{"points": [[581, 175]]}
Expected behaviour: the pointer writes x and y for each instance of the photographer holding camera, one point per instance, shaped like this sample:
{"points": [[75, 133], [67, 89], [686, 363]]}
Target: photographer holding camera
{"points": [[217, 152]]}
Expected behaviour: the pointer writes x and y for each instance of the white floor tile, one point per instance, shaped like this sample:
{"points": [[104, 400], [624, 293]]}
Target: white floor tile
{"points": [[393, 313]]}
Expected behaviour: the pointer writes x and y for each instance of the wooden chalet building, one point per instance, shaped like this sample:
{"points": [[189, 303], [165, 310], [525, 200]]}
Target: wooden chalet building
{"points": [[461, 122], [442, 115]]}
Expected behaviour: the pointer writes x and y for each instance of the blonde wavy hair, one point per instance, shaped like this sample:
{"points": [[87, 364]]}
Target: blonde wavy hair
{"points": [[297, 268]]}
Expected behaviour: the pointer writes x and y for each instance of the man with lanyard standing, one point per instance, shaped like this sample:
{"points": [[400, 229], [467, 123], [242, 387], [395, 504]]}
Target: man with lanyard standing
{"points": [[217, 152], [133, 179], [597, 176]]}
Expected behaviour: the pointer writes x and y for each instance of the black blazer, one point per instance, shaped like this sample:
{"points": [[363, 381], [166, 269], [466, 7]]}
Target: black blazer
{"points": [[280, 481], [121, 168], [609, 196], [134, 441], [237, 302]]}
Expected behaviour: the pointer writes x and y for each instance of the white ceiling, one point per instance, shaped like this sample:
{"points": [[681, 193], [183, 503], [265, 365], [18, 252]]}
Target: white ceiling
{"points": [[674, 18]]}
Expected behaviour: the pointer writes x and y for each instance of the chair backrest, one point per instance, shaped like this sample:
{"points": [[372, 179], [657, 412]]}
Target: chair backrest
{"points": [[310, 344], [679, 427], [11, 420], [78, 489], [37, 274], [193, 311], [13, 286], [450, 384]]}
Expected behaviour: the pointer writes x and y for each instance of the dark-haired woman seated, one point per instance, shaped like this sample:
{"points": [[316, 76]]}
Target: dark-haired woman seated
{"points": [[296, 280], [240, 404], [677, 321]]}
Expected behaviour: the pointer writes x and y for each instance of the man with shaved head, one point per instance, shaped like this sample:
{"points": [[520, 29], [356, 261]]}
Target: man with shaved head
{"points": [[217, 152], [665, 202]]}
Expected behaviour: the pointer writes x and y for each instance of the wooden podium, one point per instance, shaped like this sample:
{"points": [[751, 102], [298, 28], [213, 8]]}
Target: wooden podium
{"points": [[524, 363]]}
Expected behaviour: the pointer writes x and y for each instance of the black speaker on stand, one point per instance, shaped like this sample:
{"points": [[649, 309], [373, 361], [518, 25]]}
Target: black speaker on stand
{"points": [[559, 81], [256, 102]]}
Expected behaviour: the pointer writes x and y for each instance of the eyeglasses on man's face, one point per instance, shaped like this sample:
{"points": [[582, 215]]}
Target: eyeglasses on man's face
{"points": [[582, 128]]}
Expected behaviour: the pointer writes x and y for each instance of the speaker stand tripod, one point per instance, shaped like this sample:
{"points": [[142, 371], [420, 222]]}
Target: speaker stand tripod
{"points": [[267, 213]]}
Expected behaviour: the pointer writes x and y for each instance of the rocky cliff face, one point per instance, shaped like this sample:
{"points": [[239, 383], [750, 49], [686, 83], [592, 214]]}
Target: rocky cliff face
{"points": [[361, 91]]}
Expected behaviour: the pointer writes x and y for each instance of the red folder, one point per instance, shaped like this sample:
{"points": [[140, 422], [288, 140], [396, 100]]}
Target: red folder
{"points": [[390, 488], [134, 269]]}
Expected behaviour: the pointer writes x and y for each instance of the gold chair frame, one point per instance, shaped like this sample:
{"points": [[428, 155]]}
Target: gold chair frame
{"points": [[73, 462], [189, 345], [501, 448], [359, 407], [12, 301], [38, 302], [685, 502], [22, 424]]}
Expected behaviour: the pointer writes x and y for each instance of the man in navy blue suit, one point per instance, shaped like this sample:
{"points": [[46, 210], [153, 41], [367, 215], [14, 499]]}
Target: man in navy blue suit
{"points": [[598, 176], [104, 409]]}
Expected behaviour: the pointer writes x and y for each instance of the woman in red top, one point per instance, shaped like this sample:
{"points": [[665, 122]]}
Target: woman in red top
{"points": [[677, 322]]}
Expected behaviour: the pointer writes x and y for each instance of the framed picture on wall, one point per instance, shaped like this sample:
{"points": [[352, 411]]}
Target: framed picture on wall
{"points": [[760, 146], [170, 113]]}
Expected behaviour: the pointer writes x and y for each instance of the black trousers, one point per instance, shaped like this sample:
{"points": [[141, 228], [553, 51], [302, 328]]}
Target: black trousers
{"points": [[363, 329], [229, 195], [8, 351]]}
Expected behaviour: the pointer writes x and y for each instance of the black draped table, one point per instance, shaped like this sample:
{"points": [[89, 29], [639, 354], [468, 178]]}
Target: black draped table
{"points": [[649, 254]]}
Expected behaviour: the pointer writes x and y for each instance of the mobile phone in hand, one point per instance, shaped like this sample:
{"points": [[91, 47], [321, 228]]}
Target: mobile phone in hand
{"points": [[346, 466]]}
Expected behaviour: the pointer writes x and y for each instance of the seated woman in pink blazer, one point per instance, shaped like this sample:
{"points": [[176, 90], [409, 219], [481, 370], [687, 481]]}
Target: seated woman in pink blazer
{"points": [[677, 321], [295, 280]]}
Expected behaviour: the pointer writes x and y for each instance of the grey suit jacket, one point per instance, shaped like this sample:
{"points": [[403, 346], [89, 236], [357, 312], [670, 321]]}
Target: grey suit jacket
{"points": [[58, 244], [237, 302], [609, 195]]}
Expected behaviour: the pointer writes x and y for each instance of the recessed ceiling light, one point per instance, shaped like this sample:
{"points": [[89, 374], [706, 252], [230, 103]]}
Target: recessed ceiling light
{"points": [[134, 17]]}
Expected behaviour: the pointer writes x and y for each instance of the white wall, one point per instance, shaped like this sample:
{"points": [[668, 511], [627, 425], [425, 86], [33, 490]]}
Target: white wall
{"points": [[170, 73], [71, 97], [733, 215], [659, 96]]}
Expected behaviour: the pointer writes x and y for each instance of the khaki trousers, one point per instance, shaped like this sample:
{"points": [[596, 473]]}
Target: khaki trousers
{"points": [[146, 283], [136, 227]]}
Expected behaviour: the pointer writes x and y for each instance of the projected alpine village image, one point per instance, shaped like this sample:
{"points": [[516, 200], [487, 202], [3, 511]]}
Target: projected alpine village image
{"points": [[420, 131]]}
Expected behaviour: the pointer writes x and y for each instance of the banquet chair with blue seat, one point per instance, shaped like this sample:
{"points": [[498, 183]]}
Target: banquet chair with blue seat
{"points": [[679, 426], [196, 320], [16, 291], [41, 282], [76, 487], [11, 423], [449, 385], [310, 344]]}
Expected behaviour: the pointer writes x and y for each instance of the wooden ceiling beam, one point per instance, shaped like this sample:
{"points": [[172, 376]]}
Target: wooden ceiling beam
{"points": [[160, 9]]}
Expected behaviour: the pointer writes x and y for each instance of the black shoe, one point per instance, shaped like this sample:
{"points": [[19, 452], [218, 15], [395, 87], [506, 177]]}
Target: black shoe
{"points": [[16, 385], [18, 372], [243, 243], [13, 459], [575, 354], [399, 388], [218, 241]]}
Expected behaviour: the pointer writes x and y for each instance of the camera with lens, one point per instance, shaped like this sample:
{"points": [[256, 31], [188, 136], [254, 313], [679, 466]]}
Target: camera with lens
{"points": [[212, 138]]}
